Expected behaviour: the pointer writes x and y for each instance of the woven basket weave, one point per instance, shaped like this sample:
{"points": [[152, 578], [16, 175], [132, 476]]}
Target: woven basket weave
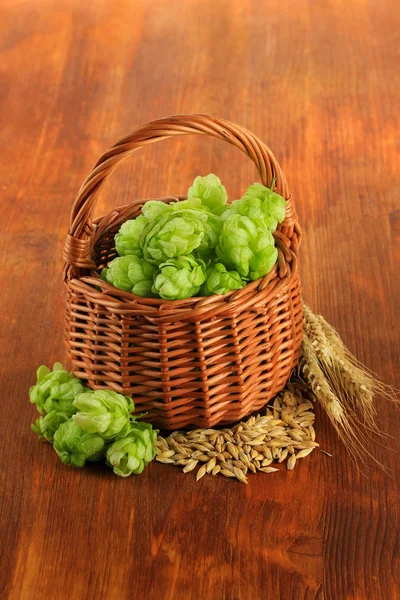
{"points": [[199, 361]]}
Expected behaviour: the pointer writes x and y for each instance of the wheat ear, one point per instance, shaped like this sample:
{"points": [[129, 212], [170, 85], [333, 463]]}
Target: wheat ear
{"points": [[340, 383]]}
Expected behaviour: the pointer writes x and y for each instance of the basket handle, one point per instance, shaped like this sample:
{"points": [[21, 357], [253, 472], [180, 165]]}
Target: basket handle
{"points": [[77, 246]]}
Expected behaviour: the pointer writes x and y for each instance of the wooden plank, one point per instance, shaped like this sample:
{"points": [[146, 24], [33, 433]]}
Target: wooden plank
{"points": [[319, 82]]}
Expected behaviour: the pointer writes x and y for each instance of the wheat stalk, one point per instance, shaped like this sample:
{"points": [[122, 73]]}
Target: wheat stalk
{"points": [[341, 384], [366, 380], [345, 376]]}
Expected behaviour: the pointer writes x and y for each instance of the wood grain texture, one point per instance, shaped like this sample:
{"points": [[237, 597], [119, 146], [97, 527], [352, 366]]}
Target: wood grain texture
{"points": [[318, 81]]}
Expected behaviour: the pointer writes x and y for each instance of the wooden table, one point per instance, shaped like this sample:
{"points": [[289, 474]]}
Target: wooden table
{"points": [[317, 81]]}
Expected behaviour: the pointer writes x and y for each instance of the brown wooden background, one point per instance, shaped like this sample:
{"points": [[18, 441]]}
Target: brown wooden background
{"points": [[319, 81]]}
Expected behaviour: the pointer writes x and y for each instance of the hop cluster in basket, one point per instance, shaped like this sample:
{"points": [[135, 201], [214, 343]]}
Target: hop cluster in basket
{"points": [[199, 246], [85, 425]]}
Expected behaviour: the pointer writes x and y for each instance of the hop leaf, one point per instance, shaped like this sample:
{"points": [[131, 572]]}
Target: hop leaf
{"points": [[130, 273], [74, 446], [179, 278], [211, 193], [45, 427], [263, 206], [246, 247], [174, 234], [220, 281], [127, 238], [104, 412], [132, 453], [55, 390]]}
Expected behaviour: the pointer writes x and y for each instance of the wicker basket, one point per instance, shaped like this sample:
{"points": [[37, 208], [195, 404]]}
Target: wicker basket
{"points": [[194, 362]]}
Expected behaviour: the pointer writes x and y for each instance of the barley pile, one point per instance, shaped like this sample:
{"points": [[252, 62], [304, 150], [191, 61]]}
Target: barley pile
{"points": [[284, 433]]}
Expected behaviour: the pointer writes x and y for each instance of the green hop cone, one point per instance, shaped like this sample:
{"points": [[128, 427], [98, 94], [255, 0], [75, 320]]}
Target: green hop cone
{"points": [[263, 206], [191, 204], [172, 234], [127, 238], [45, 427], [179, 278], [220, 281], [246, 247], [154, 209], [55, 390], [141, 274], [132, 453], [211, 225], [211, 193], [117, 272], [75, 446], [104, 412], [131, 274], [212, 229]]}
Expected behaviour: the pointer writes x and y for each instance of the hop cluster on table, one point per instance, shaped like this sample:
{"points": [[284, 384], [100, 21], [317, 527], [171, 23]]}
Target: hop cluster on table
{"points": [[199, 246], [85, 425]]}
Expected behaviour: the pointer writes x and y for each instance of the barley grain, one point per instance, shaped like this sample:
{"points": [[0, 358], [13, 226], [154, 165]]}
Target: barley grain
{"points": [[231, 448], [211, 464], [283, 455], [239, 465], [201, 472], [190, 466], [304, 452], [216, 470], [227, 473], [240, 475]]}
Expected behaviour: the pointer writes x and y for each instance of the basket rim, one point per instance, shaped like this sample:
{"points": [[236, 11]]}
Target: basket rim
{"points": [[120, 299]]}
